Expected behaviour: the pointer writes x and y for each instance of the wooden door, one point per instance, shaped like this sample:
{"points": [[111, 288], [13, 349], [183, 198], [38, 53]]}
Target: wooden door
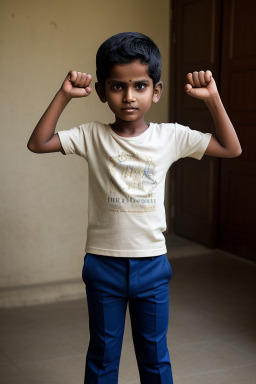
{"points": [[237, 226], [215, 199], [196, 29]]}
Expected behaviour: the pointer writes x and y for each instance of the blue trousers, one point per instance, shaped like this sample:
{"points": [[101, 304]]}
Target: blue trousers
{"points": [[143, 283]]}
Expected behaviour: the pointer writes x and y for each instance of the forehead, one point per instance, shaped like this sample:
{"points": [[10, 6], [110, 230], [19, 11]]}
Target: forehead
{"points": [[134, 70]]}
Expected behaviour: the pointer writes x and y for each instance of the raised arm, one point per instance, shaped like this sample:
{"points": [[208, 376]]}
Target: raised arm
{"points": [[43, 138], [224, 142]]}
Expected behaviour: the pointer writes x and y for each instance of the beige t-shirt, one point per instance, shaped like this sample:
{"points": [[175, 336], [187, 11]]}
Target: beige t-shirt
{"points": [[126, 183]]}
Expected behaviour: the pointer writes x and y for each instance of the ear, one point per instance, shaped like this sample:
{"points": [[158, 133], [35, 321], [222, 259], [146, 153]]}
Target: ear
{"points": [[101, 93], [157, 92]]}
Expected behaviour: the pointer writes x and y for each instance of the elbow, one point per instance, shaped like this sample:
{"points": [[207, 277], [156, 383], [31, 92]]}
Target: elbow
{"points": [[236, 152], [28, 145], [32, 148], [239, 152]]}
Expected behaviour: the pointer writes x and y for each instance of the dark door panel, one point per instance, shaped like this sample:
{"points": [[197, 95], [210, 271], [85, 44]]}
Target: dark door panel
{"points": [[196, 31], [237, 225], [215, 198]]}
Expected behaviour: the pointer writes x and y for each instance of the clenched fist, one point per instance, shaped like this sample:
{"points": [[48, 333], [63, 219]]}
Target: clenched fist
{"points": [[201, 85], [77, 84]]}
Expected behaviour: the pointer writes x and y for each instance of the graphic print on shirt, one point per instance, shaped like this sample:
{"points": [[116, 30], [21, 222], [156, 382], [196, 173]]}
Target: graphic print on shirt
{"points": [[131, 183]]}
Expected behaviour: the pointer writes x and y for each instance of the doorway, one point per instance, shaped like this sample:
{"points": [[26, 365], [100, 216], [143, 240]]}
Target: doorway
{"points": [[215, 198]]}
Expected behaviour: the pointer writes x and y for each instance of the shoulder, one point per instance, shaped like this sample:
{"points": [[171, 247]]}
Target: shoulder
{"points": [[165, 132], [83, 132], [96, 125], [92, 128], [163, 129]]}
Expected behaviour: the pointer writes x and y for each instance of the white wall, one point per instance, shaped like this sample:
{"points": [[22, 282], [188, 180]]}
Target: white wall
{"points": [[43, 205]]}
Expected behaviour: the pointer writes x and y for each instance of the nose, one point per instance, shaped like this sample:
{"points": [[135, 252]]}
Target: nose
{"points": [[129, 96]]}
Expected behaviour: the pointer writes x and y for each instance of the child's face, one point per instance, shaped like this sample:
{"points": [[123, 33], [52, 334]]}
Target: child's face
{"points": [[129, 91]]}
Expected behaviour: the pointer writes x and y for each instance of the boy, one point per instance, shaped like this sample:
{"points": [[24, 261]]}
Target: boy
{"points": [[128, 160]]}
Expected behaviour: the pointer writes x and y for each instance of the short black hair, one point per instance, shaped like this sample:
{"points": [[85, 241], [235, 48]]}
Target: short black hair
{"points": [[124, 48]]}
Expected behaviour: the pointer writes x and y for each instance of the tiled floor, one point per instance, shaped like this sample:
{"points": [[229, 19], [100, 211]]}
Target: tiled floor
{"points": [[211, 336]]}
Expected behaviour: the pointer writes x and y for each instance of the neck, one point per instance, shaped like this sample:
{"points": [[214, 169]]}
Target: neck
{"points": [[129, 128]]}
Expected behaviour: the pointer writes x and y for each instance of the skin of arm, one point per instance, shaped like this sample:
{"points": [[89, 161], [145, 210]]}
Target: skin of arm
{"points": [[224, 143], [43, 138]]}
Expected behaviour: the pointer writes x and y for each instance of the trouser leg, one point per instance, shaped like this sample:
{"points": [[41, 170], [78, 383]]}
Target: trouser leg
{"points": [[105, 288], [149, 312]]}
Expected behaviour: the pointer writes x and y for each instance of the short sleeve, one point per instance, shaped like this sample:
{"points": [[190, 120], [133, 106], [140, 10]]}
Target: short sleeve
{"points": [[190, 143], [75, 140]]}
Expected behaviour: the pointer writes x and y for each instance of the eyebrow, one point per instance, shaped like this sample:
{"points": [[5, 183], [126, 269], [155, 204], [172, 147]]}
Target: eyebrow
{"points": [[128, 82]]}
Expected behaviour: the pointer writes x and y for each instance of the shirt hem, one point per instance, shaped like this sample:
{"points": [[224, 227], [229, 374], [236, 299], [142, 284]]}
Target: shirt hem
{"points": [[128, 253], [205, 142], [64, 145]]}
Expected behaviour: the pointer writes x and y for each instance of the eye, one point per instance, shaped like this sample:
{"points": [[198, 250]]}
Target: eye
{"points": [[116, 87], [140, 86]]}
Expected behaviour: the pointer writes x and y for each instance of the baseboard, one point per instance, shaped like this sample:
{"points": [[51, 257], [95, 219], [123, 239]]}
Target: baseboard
{"points": [[41, 294]]}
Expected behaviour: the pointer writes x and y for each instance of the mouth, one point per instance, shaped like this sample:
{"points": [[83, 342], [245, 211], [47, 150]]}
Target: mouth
{"points": [[129, 109]]}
